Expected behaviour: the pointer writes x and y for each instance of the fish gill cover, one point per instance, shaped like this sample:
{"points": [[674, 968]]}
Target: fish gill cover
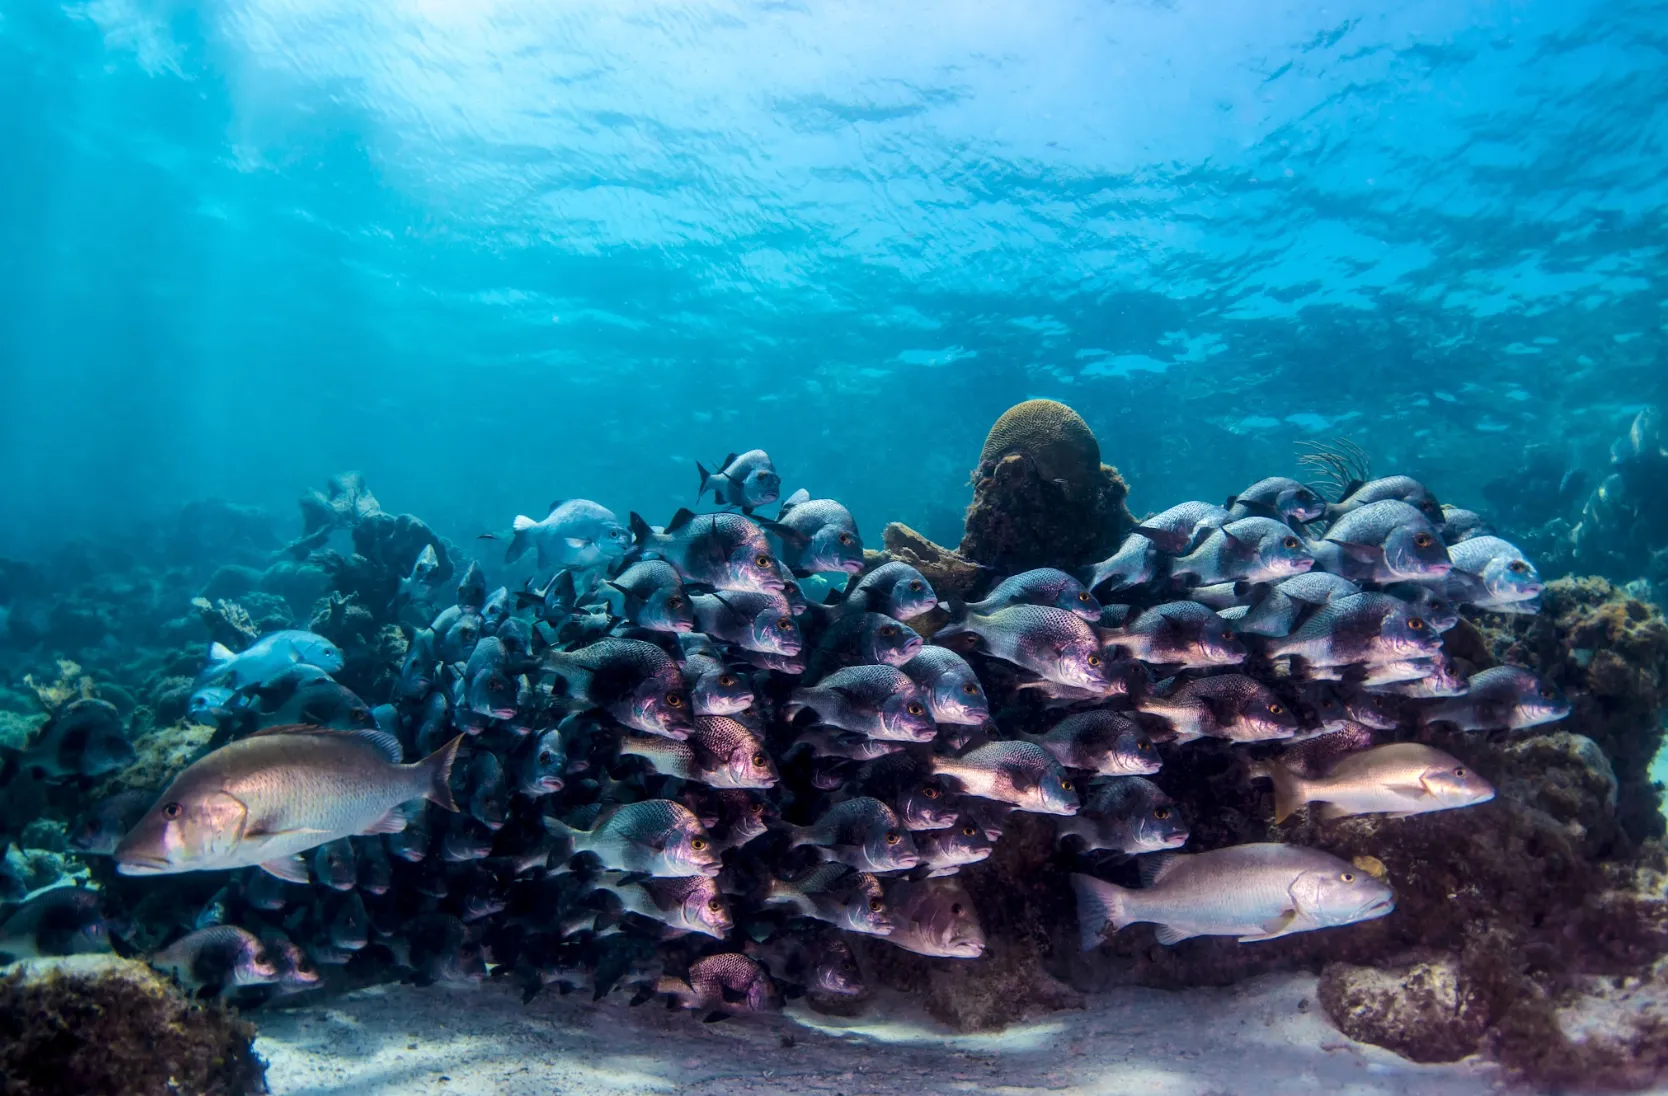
{"points": [[509, 259]]}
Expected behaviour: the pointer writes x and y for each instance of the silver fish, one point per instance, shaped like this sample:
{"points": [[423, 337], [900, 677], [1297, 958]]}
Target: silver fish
{"points": [[1400, 779], [1022, 774]]}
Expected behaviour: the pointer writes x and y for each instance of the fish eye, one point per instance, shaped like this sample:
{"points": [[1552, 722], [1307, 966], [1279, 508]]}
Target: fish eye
{"points": [[1065, 784], [762, 561], [968, 831], [1518, 566], [893, 837], [1093, 660], [714, 905], [1348, 876], [955, 908], [172, 810], [1416, 624], [699, 844], [1423, 540], [675, 601], [726, 680], [876, 905], [674, 700], [1547, 693], [1289, 542], [784, 624], [1083, 595], [915, 708], [845, 538], [546, 757], [1227, 634], [756, 808], [1161, 813], [1276, 709], [915, 586], [1460, 772], [930, 792], [1143, 744], [886, 631], [970, 689], [759, 760]]}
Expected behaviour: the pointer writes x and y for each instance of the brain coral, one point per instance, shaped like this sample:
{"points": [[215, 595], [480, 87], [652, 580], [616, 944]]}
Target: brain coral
{"points": [[1055, 437]]}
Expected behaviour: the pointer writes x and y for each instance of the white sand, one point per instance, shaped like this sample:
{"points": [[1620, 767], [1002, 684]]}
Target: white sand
{"points": [[1251, 1040]]}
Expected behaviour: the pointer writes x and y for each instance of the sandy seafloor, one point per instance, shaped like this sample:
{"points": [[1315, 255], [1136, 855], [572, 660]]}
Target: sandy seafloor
{"points": [[1263, 1037]]}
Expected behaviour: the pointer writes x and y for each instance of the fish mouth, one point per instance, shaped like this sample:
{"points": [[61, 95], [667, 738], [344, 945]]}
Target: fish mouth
{"points": [[136, 864]]}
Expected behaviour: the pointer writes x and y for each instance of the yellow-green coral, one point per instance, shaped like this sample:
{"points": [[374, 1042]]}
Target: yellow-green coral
{"points": [[1055, 438], [72, 684]]}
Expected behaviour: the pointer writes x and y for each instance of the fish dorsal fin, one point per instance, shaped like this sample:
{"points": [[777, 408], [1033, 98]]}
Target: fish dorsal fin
{"points": [[291, 869], [798, 497], [383, 742], [1155, 866], [683, 517], [1351, 488], [724, 465]]}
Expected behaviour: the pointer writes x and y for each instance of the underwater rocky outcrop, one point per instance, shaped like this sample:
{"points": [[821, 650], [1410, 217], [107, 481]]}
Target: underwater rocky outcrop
{"points": [[1529, 927]]}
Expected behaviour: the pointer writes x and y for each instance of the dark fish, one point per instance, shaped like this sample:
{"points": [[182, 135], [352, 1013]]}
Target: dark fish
{"points": [[818, 536], [818, 959], [652, 597], [1101, 741], [1135, 563], [65, 920], [1435, 609], [486, 795], [1383, 542], [1130, 815], [350, 924], [1492, 573], [687, 903], [1393, 488], [222, 957], [417, 672], [335, 865], [836, 893], [656, 836], [415, 586], [746, 480], [1021, 774], [827, 741], [896, 589], [411, 842], [754, 622], [724, 551], [1279, 498], [1247, 550], [878, 701], [97, 831], [935, 917], [466, 838], [1284, 606], [949, 686], [1182, 527], [945, 851], [635, 682], [863, 639], [376, 873], [720, 753], [1231, 706], [1359, 628], [556, 602], [85, 737], [1501, 696], [1042, 586], [722, 985], [862, 833], [540, 763], [1053, 644], [1181, 633], [715, 689]]}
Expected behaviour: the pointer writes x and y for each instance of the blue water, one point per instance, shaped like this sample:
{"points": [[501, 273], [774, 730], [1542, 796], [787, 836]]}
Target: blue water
{"points": [[489, 253]]}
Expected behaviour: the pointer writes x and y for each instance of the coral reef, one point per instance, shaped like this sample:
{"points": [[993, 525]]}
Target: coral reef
{"points": [[1041, 496], [120, 1028]]}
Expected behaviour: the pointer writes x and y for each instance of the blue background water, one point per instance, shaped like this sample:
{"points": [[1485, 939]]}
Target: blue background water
{"points": [[491, 253]]}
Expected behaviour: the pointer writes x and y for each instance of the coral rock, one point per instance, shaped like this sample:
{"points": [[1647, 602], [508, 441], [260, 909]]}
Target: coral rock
{"points": [[1041, 496], [1424, 1011]]}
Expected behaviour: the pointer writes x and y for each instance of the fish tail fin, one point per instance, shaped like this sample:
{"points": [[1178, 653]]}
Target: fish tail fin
{"points": [[642, 533], [218, 655], [518, 538], [706, 480], [1288, 790], [960, 613], [1099, 905], [438, 767]]}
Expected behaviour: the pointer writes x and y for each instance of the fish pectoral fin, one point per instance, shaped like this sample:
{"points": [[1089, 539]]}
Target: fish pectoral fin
{"points": [[733, 996], [577, 542], [630, 878], [260, 833], [291, 869], [1274, 926], [1171, 934], [392, 822], [714, 1017], [1328, 812]]}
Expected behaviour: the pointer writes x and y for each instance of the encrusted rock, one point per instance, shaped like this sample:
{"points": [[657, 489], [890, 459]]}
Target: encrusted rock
{"points": [[1424, 1010]]}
